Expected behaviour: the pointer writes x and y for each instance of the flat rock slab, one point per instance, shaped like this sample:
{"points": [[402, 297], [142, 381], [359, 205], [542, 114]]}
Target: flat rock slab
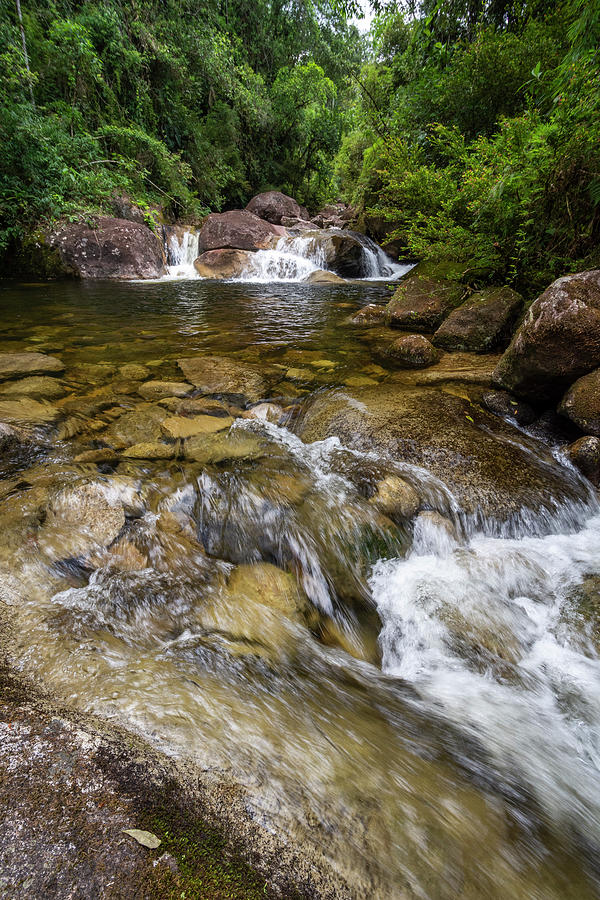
{"points": [[181, 427], [34, 386], [150, 450], [228, 377], [12, 365], [27, 411]]}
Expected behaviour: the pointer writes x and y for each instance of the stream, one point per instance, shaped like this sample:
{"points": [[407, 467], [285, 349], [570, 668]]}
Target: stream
{"points": [[419, 706]]}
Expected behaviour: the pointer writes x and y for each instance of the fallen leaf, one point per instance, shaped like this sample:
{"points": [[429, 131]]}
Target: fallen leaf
{"points": [[146, 838]]}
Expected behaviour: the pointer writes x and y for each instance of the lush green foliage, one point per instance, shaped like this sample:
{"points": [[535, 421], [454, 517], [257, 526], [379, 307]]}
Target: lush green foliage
{"points": [[193, 105], [477, 135]]}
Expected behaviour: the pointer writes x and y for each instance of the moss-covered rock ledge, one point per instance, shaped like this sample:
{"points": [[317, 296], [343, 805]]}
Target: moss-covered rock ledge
{"points": [[69, 786]]}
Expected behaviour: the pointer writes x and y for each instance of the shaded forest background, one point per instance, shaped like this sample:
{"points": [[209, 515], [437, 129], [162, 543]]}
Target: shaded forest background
{"points": [[464, 130]]}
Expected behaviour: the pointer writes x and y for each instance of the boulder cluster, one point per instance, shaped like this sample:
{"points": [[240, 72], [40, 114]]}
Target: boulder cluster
{"points": [[551, 353]]}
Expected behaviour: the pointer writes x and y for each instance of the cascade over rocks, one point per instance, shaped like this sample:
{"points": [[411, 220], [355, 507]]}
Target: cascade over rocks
{"points": [[581, 403], [474, 453], [273, 206], [481, 323], [558, 341], [113, 248], [222, 263], [422, 303], [238, 229]]}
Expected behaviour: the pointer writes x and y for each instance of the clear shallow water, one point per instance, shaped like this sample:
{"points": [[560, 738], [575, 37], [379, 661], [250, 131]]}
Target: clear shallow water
{"points": [[447, 746]]}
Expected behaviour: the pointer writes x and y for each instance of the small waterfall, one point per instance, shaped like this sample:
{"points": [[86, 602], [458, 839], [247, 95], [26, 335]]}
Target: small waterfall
{"points": [[181, 247]]}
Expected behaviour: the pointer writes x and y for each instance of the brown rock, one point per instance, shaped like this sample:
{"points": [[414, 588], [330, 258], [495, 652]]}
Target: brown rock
{"points": [[17, 365], [273, 206], [229, 377], [236, 230], [180, 427], [157, 390], [482, 323], [412, 352], [421, 303], [581, 403], [558, 341], [114, 248], [321, 276], [222, 263], [585, 455], [370, 314]]}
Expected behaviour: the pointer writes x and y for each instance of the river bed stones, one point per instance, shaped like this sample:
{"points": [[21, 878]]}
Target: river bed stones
{"points": [[36, 386], [16, 365], [581, 403], [558, 341], [150, 450], [492, 470], [226, 377], [137, 426], [27, 411], [482, 323], [371, 314]]}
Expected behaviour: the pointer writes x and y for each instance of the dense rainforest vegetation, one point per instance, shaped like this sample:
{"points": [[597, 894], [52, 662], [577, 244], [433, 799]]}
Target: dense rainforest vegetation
{"points": [[465, 129]]}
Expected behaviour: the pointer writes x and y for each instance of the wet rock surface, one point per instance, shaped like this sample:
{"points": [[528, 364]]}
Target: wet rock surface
{"points": [[411, 352], [477, 455], [222, 263], [238, 229], [581, 403], [558, 341], [227, 377], [482, 323], [274, 206], [17, 365]]}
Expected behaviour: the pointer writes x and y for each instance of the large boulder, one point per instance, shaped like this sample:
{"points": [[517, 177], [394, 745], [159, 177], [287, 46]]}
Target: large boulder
{"points": [[491, 468], [413, 351], [227, 377], [482, 323], [237, 229], [581, 403], [558, 341], [112, 248], [222, 263], [422, 303], [273, 206]]}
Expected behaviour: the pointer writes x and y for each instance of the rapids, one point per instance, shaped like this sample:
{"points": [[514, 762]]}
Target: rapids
{"points": [[429, 726]]}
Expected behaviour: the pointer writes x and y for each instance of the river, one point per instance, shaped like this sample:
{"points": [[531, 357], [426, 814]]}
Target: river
{"points": [[429, 726]]}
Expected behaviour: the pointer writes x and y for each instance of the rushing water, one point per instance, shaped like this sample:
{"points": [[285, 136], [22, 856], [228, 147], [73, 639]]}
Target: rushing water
{"points": [[430, 726], [294, 258]]}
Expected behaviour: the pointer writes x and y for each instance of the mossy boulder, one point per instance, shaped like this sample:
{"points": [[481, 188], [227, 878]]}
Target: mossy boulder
{"points": [[413, 351], [585, 455], [491, 468], [482, 323], [557, 342], [581, 403], [422, 303]]}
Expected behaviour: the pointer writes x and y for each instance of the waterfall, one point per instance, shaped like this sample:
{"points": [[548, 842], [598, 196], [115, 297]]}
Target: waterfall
{"points": [[181, 247], [295, 257]]}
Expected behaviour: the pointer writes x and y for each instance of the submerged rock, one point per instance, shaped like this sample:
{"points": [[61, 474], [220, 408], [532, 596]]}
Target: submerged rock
{"points": [[81, 518], [157, 390], [411, 352], [182, 427], [228, 377], [482, 323], [37, 386], [237, 229], [141, 424], [27, 411], [222, 263], [15, 365], [113, 248], [371, 314], [421, 304], [504, 404], [396, 498], [322, 276], [581, 403], [558, 341], [134, 372], [274, 206], [492, 469]]}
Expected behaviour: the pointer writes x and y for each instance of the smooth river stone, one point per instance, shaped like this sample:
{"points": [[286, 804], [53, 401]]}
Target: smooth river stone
{"points": [[14, 364], [81, 518], [34, 386], [150, 450], [27, 412], [157, 390], [180, 427], [230, 377]]}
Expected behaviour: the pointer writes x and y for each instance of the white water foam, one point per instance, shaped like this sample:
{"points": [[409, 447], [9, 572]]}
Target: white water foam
{"points": [[485, 633], [182, 251]]}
